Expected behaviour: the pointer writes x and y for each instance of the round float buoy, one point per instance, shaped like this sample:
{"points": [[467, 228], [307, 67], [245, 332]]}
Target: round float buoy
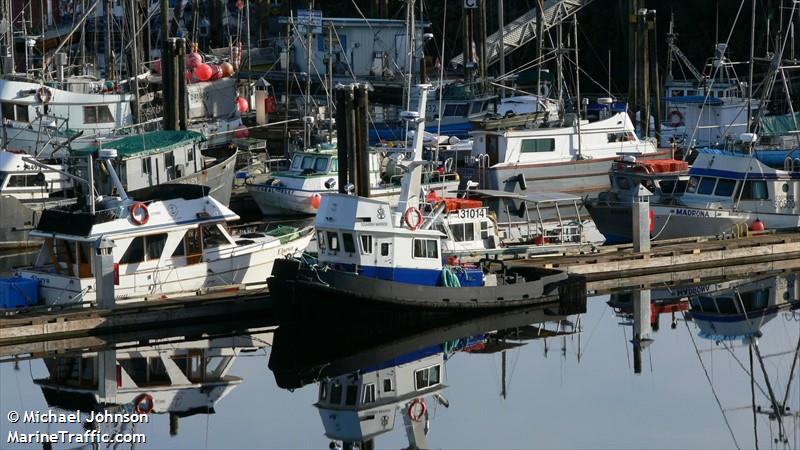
{"points": [[316, 200], [157, 66], [227, 69], [143, 404], [758, 225], [139, 213], [216, 72], [44, 95], [416, 410], [242, 132], [676, 118], [202, 72], [242, 104], [417, 222], [193, 60]]}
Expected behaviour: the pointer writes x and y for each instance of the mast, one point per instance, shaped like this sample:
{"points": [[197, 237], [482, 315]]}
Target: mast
{"points": [[500, 26], [307, 99], [577, 87], [750, 66]]}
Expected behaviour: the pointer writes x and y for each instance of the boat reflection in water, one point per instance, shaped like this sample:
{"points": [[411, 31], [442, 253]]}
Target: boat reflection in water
{"points": [[376, 370], [176, 378], [739, 312]]}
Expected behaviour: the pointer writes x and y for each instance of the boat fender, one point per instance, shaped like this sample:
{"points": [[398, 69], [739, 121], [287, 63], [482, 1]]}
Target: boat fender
{"points": [[135, 211], [413, 211], [417, 409], [143, 404], [652, 217], [676, 118], [44, 95], [757, 225]]}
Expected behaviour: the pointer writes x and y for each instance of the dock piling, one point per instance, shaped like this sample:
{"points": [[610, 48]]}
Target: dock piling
{"points": [[641, 225], [104, 272]]}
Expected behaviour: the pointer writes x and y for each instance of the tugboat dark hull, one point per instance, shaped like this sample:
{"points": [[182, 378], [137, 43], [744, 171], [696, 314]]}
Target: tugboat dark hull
{"points": [[525, 286]]}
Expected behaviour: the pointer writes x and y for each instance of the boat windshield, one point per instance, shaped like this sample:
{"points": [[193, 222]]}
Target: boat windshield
{"points": [[321, 165]]}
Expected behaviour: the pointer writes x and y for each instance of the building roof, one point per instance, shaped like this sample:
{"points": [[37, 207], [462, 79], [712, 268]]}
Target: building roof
{"points": [[147, 143]]}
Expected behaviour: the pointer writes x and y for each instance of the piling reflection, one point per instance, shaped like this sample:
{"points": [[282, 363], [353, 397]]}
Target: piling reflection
{"points": [[377, 369]]}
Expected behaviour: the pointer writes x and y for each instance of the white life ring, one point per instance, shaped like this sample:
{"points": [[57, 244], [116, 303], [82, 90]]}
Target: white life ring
{"points": [[44, 95]]}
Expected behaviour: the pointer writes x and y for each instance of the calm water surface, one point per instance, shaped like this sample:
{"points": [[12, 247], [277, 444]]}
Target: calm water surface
{"points": [[568, 382]]}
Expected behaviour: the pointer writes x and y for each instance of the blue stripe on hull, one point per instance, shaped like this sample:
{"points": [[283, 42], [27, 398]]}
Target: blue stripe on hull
{"points": [[424, 277]]}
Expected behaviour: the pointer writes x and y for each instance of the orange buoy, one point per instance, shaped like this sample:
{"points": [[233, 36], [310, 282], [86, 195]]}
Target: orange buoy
{"points": [[758, 225], [203, 72], [241, 102], [227, 69], [316, 200]]}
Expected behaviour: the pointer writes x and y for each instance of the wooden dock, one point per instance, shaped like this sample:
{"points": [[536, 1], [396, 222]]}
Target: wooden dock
{"points": [[40, 324], [620, 261]]}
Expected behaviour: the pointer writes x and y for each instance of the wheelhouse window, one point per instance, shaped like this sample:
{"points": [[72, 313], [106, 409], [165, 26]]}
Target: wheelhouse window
{"points": [[154, 245], [538, 145], [426, 248], [348, 243], [623, 183], [484, 229], [456, 110], [321, 165], [463, 231], [755, 190], [321, 241], [336, 393], [147, 165], [384, 249], [190, 154], [307, 163], [8, 111], [333, 241], [297, 162], [134, 253], [366, 244], [428, 377], [725, 187], [25, 180], [691, 188], [22, 113], [351, 394], [169, 159], [369, 394], [706, 186], [97, 114], [213, 237]]}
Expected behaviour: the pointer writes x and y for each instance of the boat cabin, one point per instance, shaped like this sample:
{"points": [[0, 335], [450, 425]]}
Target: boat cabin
{"points": [[739, 311], [360, 406], [25, 181]]}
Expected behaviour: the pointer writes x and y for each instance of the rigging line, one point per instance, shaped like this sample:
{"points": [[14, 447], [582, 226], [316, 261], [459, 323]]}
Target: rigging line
{"points": [[753, 396], [791, 373], [710, 383], [775, 407], [605, 311], [714, 74], [603, 88], [602, 63], [735, 358]]}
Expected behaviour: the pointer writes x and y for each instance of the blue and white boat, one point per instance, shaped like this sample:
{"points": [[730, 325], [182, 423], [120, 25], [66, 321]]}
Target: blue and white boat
{"points": [[730, 193], [371, 251]]}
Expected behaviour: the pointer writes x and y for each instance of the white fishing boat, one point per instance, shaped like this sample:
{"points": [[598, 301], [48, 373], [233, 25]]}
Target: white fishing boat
{"points": [[312, 173], [25, 191], [728, 194], [170, 242], [373, 252]]}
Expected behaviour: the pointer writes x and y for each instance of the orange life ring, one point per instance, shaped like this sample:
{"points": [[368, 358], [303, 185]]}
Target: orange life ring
{"points": [[145, 213], [44, 95], [676, 118], [417, 409], [407, 217], [143, 404]]}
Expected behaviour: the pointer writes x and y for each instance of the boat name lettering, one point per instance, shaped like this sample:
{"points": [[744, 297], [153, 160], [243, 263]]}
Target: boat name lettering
{"points": [[472, 213], [691, 212]]}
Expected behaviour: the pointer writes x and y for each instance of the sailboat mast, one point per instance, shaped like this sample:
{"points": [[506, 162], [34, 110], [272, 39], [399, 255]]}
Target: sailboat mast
{"points": [[501, 24], [307, 100], [750, 65]]}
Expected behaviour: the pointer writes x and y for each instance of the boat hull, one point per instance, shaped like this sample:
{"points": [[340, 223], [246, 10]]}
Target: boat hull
{"points": [[18, 218], [290, 281]]}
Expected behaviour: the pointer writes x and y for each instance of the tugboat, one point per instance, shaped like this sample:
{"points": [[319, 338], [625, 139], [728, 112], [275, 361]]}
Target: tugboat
{"points": [[660, 180], [372, 252], [170, 242]]}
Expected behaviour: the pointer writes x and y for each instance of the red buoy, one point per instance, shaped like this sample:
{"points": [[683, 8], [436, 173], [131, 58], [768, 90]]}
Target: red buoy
{"points": [[758, 225], [202, 72], [316, 200], [242, 104], [242, 132]]}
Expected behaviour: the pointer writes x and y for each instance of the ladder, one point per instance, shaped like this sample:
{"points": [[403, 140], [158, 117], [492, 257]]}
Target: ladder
{"points": [[522, 30]]}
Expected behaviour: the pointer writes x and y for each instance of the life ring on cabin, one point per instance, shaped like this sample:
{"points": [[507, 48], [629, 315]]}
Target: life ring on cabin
{"points": [[407, 218], [145, 214], [44, 95], [676, 118], [143, 404], [417, 409]]}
